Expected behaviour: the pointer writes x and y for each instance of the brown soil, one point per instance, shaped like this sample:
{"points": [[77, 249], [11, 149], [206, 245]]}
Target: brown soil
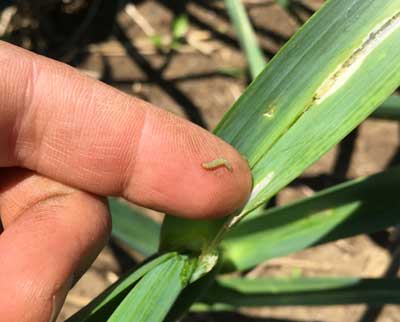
{"points": [[192, 85]]}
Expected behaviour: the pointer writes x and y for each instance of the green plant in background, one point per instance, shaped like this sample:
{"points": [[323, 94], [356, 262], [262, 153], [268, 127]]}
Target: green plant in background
{"points": [[246, 36], [179, 28], [341, 65], [283, 3], [390, 109]]}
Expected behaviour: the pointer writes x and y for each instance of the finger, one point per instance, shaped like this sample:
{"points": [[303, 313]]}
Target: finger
{"points": [[66, 126], [52, 234]]}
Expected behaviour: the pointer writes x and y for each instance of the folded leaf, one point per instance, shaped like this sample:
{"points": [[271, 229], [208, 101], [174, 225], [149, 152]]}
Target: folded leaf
{"points": [[151, 299], [104, 304]]}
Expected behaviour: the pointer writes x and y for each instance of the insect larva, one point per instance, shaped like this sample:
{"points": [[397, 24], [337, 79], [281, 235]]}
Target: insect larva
{"points": [[220, 162]]}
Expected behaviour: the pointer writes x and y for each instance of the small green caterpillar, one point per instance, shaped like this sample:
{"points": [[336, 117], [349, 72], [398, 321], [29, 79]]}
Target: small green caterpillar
{"points": [[220, 162]]}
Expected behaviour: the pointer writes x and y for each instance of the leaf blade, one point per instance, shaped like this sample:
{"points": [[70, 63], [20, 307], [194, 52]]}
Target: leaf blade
{"points": [[341, 211], [104, 304], [133, 228], [240, 292], [329, 116], [153, 296]]}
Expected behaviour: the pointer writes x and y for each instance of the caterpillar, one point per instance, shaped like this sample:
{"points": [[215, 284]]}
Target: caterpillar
{"points": [[220, 162]]}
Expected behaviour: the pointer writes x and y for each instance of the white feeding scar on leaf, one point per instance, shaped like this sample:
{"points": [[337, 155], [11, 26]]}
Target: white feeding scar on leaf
{"points": [[234, 220], [270, 111], [261, 185], [343, 73], [206, 263], [256, 190]]}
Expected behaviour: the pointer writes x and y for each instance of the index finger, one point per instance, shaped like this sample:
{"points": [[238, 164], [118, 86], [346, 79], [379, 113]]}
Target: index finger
{"points": [[86, 134]]}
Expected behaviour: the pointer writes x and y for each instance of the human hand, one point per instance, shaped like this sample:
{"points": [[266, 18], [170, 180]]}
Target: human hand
{"points": [[65, 141]]}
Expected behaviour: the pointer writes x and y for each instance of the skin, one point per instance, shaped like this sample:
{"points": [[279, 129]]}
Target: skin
{"points": [[66, 141]]}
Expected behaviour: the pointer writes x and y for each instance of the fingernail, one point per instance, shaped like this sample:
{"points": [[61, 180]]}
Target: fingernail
{"points": [[59, 298]]}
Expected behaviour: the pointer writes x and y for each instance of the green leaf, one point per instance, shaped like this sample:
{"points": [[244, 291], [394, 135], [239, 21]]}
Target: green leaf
{"points": [[133, 228], [284, 3], [189, 237], [231, 72], [151, 299], [341, 65], [157, 41], [192, 293], [180, 26], [291, 125], [104, 304], [236, 292], [246, 35], [359, 206], [390, 109]]}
